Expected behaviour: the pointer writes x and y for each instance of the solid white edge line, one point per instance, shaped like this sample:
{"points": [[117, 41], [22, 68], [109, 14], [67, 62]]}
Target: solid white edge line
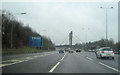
{"points": [[109, 67], [54, 67], [18, 60], [2, 65]]}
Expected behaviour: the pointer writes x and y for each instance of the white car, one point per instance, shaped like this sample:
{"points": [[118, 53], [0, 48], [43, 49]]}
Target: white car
{"points": [[89, 50], [104, 52], [93, 50]]}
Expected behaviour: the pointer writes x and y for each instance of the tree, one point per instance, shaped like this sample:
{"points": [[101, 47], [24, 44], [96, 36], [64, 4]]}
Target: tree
{"points": [[21, 33]]}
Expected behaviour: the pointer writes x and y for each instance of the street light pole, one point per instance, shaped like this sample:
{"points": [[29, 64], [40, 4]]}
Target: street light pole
{"points": [[106, 22], [86, 34], [11, 34], [12, 31], [106, 27], [47, 41]]}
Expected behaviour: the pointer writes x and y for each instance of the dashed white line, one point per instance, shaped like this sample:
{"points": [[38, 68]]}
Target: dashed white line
{"points": [[41, 55], [109, 67], [28, 58], [54, 67], [35, 56], [89, 58], [62, 59], [57, 64], [65, 54]]}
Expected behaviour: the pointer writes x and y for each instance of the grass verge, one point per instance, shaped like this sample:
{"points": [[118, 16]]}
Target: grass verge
{"points": [[23, 50]]}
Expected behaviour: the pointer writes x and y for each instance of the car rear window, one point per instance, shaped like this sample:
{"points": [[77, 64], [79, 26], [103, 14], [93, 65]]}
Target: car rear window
{"points": [[106, 49]]}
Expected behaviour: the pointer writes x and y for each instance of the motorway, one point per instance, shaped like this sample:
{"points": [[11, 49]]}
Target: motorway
{"points": [[53, 62]]}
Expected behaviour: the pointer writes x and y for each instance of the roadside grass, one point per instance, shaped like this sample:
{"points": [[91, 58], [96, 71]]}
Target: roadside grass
{"points": [[23, 50]]}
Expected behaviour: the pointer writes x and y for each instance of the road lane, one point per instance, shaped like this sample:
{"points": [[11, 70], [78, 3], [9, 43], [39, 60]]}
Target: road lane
{"points": [[74, 63], [57, 63], [38, 65], [15, 59], [60, 63], [110, 62]]}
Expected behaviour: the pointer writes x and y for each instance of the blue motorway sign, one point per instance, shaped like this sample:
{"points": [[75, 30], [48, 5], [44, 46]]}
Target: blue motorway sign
{"points": [[36, 41]]}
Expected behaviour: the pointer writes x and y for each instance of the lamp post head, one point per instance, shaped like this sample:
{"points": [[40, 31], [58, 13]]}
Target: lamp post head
{"points": [[111, 7], [23, 13]]}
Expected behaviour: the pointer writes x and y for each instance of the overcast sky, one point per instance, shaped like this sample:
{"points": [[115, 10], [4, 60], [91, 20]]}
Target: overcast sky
{"points": [[56, 19]]}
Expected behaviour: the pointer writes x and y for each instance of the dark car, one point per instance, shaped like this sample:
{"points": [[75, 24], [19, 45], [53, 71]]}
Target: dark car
{"points": [[117, 52], [66, 50], [71, 51], [61, 51], [78, 50]]}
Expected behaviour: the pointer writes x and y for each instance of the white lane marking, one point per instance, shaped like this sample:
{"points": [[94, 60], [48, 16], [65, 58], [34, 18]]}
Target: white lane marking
{"points": [[109, 67], [2, 65], [28, 58], [57, 64], [89, 58], [41, 55], [15, 61], [35, 56], [65, 54], [62, 58], [54, 67]]}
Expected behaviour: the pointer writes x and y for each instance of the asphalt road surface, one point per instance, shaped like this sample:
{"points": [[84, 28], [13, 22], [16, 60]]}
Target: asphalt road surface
{"points": [[53, 62]]}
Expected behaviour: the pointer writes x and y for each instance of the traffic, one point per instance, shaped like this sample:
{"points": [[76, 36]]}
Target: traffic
{"points": [[103, 52], [59, 37]]}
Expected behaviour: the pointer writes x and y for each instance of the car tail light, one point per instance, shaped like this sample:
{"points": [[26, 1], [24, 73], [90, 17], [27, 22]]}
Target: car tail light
{"points": [[102, 51], [113, 51]]}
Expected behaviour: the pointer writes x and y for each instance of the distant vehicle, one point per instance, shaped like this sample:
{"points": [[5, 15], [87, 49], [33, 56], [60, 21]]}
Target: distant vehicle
{"points": [[89, 50], [66, 50], [93, 50], [61, 51], [78, 50], [104, 52], [117, 52], [71, 51]]}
